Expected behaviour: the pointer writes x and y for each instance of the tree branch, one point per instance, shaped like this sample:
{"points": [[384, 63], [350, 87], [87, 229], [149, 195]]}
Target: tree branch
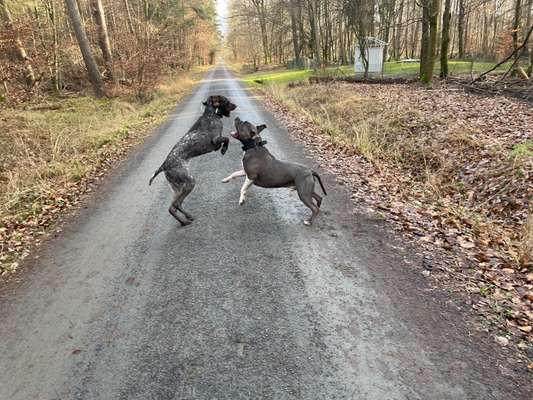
{"points": [[519, 48]]}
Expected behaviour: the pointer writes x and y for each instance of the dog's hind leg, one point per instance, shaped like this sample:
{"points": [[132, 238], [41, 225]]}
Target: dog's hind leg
{"points": [[318, 199], [306, 195], [181, 184], [314, 209], [173, 210], [188, 187]]}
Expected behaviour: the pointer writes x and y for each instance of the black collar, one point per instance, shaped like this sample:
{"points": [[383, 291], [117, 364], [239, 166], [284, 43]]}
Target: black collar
{"points": [[252, 144]]}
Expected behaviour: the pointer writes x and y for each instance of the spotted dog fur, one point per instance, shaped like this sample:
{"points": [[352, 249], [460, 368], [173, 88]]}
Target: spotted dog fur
{"points": [[204, 137]]}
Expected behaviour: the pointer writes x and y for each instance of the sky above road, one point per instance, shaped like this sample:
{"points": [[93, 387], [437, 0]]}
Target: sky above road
{"points": [[222, 14]]}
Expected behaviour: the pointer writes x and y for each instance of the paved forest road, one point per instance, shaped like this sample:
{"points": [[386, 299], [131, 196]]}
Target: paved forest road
{"points": [[247, 303]]}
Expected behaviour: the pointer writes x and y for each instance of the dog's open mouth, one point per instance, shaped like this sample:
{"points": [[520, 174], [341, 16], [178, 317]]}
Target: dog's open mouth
{"points": [[235, 134]]}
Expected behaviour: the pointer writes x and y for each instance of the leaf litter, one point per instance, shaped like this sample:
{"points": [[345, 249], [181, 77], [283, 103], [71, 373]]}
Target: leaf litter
{"points": [[452, 171]]}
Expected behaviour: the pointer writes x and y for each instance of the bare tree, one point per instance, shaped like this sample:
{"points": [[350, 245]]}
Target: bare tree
{"points": [[315, 35], [52, 15], [431, 10], [97, 9], [92, 68], [516, 27], [261, 10], [129, 19], [461, 28], [529, 49], [294, 29], [446, 16], [21, 51]]}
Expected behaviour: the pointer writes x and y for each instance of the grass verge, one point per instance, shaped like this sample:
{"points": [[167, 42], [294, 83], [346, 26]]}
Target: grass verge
{"points": [[283, 76], [427, 136], [50, 150]]}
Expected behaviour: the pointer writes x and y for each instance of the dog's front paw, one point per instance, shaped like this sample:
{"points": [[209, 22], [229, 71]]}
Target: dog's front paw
{"points": [[242, 200], [307, 222], [223, 151], [226, 179]]}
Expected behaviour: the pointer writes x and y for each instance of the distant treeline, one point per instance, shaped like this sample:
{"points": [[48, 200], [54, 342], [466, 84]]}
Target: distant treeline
{"points": [[326, 31], [65, 44]]}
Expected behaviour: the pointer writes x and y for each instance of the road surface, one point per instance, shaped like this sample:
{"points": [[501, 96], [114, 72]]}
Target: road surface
{"points": [[247, 303]]}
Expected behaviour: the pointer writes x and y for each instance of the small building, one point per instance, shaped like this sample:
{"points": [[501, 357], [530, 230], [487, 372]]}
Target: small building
{"points": [[374, 54]]}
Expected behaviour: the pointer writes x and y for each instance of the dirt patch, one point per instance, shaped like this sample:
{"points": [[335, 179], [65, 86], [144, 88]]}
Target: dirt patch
{"points": [[452, 170]]}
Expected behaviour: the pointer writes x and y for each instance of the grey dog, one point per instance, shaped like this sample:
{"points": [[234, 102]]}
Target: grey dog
{"points": [[263, 169], [204, 137]]}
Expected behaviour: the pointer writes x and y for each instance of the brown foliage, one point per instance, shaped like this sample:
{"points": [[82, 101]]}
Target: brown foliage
{"points": [[166, 36]]}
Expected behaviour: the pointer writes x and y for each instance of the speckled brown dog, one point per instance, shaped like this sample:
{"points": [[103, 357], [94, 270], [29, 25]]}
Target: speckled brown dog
{"points": [[204, 137]]}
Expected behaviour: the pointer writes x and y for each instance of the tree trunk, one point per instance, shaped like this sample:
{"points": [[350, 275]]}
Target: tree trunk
{"points": [[388, 20], [294, 28], [264, 38], [21, 51], [313, 15], [431, 10], [461, 29], [52, 15], [397, 36], [516, 29], [445, 39], [409, 30], [128, 15], [327, 35], [485, 35], [424, 43], [261, 14], [529, 49], [97, 9], [85, 48], [414, 39], [340, 48], [433, 35]]}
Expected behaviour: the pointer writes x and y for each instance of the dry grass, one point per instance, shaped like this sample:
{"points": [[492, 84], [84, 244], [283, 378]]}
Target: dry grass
{"points": [[50, 151], [382, 132], [453, 149], [55, 143]]}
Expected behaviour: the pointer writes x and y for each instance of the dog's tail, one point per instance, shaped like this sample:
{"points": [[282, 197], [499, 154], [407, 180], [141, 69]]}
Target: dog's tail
{"points": [[159, 170], [319, 181]]}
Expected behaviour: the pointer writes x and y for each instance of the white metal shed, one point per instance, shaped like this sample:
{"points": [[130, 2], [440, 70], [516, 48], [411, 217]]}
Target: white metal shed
{"points": [[374, 54]]}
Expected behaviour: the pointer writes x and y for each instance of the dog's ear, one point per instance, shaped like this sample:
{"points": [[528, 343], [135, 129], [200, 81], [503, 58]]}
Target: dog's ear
{"points": [[261, 128]]}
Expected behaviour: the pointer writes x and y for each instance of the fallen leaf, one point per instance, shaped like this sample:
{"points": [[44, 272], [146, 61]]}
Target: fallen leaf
{"points": [[465, 243], [501, 340]]}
